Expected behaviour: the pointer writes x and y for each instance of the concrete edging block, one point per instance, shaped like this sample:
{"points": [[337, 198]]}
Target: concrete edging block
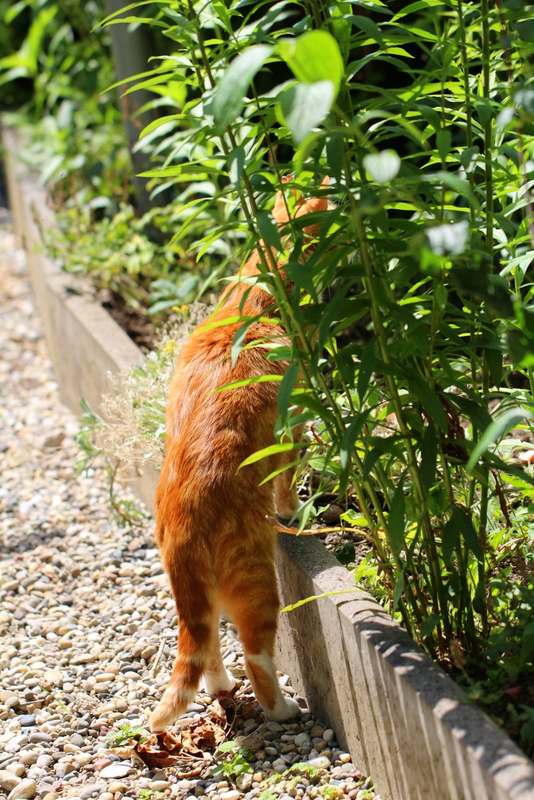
{"points": [[401, 718]]}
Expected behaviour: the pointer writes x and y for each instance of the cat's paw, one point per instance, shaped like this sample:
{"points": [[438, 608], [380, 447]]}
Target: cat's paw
{"points": [[220, 681], [171, 706], [285, 708], [288, 509]]}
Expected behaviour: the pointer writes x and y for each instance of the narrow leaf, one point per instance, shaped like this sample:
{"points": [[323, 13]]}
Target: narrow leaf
{"points": [[272, 450], [396, 521], [286, 387], [496, 431]]}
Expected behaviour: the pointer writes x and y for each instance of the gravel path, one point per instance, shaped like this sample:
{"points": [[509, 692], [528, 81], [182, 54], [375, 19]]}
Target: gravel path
{"points": [[87, 625]]}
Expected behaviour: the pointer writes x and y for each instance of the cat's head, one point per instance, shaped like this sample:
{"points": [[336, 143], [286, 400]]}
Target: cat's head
{"points": [[301, 207]]}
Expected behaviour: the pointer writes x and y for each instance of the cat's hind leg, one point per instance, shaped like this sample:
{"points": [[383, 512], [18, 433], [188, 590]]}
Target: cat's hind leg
{"points": [[254, 605], [216, 678]]}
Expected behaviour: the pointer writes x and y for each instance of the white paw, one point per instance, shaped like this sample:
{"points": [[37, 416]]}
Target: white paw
{"points": [[220, 681], [288, 511], [285, 708]]}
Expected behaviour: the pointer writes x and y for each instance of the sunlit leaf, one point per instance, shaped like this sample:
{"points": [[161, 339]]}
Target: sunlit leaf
{"points": [[228, 99], [382, 167]]}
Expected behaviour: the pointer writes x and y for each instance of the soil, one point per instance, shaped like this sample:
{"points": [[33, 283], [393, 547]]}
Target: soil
{"points": [[136, 323]]}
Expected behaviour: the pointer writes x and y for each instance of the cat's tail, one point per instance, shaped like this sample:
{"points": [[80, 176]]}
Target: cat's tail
{"points": [[197, 631], [183, 685]]}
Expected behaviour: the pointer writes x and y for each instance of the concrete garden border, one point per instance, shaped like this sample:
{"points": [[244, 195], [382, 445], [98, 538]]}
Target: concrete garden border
{"points": [[398, 714]]}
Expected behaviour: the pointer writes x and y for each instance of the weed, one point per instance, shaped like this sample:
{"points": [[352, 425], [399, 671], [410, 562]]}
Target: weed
{"points": [[236, 761], [125, 734]]}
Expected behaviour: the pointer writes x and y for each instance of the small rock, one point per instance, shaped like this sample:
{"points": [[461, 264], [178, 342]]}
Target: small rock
{"points": [[26, 789], [53, 441], [233, 794], [321, 762], [77, 740], [116, 771], [274, 726], [83, 759], [8, 781], [115, 786], [26, 720], [39, 736], [28, 757], [329, 735], [302, 739], [17, 769], [51, 796], [159, 786]]}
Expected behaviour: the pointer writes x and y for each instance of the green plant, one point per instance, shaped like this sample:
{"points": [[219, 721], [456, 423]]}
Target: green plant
{"points": [[329, 792], [127, 511], [149, 794], [125, 734], [295, 772], [425, 281], [236, 761], [410, 318]]}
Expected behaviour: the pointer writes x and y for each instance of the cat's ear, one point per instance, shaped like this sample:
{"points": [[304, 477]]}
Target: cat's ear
{"points": [[280, 209]]}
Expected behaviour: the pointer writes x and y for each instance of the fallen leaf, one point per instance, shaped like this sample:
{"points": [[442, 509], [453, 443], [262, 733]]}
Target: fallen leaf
{"points": [[159, 750]]}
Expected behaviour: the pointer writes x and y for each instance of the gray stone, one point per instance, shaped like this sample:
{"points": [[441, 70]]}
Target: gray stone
{"points": [[40, 737]]}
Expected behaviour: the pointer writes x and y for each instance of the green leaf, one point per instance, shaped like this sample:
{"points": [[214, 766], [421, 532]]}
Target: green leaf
{"points": [[352, 431], [443, 142], [367, 26], [286, 387], [382, 167], [459, 526], [367, 364], [334, 156], [269, 231], [316, 597], [248, 382], [306, 105], [272, 450], [496, 431], [430, 401], [428, 625], [429, 455], [476, 413], [450, 539], [239, 338], [399, 589], [157, 123], [314, 58], [228, 98], [396, 521]]}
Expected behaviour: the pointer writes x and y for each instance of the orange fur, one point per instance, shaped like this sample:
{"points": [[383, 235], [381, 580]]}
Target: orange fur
{"points": [[216, 544]]}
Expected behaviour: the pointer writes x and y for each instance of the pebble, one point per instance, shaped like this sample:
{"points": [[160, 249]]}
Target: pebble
{"points": [[159, 786], [84, 603], [8, 781], [115, 771], [25, 789]]}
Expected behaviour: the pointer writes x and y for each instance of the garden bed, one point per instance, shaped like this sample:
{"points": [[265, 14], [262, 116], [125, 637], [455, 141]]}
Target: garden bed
{"points": [[400, 716]]}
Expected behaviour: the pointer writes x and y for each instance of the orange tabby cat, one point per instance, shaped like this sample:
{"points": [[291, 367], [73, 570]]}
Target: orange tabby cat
{"points": [[216, 543]]}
